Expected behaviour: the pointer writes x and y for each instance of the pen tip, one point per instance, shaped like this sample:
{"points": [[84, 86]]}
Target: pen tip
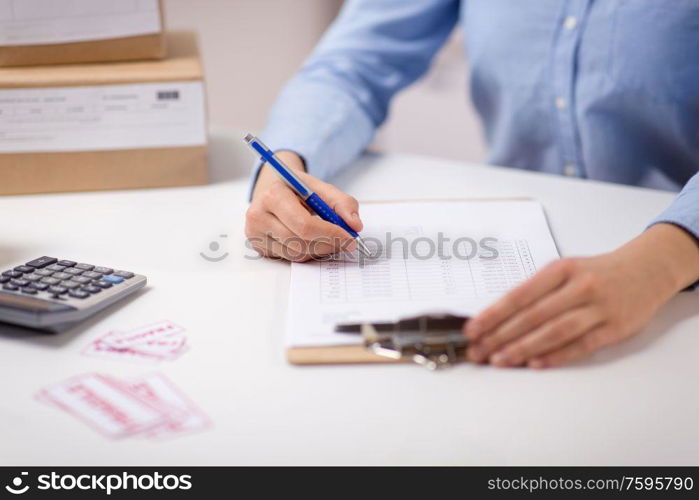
{"points": [[249, 138], [363, 247]]}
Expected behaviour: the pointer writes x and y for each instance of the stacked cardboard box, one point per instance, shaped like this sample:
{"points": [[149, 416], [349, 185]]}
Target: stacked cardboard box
{"points": [[78, 31], [114, 125]]}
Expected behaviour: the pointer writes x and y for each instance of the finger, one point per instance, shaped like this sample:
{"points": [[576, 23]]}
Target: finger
{"points": [[551, 335], [275, 249], [575, 350], [549, 278], [287, 207], [261, 224], [345, 205], [260, 245], [570, 295], [296, 245], [271, 227]]}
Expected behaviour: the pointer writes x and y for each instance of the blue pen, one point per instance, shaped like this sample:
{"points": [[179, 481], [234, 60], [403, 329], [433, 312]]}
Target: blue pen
{"points": [[303, 191]]}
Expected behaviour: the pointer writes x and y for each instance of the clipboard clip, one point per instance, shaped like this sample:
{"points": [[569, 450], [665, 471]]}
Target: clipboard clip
{"points": [[434, 340]]}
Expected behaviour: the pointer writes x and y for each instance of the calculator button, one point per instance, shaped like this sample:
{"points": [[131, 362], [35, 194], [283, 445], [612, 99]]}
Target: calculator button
{"points": [[70, 284], [66, 263], [78, 294], [24, 269], [74, 271], [103, 270], [115, 280], [29, 291], [61, 276], [19, 282], [38, 286], [57, 290], [4, 279], [92, 275], [43, 272], [10, 286], [85, 267], [56, 268], [80, 279], [32, 277], [92, 289], [12, 274], [50, 281], [42, 262], [124, 274], [102, 284]]}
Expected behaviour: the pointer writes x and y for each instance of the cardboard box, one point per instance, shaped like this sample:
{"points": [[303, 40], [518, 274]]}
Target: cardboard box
{"points": [[34, 32], [104, 126]]}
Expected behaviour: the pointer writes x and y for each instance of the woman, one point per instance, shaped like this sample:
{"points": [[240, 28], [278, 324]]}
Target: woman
{"points": [[604, 89]]}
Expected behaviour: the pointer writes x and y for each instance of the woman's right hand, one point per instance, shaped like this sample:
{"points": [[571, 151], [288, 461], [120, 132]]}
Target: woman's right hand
{"points": [[279, 225]]}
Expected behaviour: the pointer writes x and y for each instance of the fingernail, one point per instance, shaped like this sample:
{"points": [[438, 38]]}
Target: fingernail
{"points": [[356, 217], [499, 359]]}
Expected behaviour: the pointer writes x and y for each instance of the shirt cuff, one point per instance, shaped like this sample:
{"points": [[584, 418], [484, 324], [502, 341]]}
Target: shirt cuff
{"points": [[687, 228]]}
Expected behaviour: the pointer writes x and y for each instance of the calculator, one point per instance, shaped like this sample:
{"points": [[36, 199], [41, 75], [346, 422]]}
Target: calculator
{"points": [[53, 294]]}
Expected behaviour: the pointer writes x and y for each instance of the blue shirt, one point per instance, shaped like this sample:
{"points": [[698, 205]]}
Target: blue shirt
{"points": [[600, 89]]}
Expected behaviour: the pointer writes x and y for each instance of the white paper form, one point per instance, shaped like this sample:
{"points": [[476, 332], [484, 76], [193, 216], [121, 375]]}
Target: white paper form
{"points": [[449, 256], [38, 22]]}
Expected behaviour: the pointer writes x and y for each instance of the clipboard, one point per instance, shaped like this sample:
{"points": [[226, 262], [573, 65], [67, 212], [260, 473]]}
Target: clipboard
{"points": [[359, 353]]}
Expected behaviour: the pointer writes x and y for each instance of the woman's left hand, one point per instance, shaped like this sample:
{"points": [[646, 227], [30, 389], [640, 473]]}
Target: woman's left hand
{"points": [[575, 306]]}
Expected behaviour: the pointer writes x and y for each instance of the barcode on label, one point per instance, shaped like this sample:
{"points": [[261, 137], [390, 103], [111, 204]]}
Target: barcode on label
{"points": [[171, 95]]}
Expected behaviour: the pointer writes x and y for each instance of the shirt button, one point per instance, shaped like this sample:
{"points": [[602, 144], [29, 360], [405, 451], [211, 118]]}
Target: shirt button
{"points": [[570, 170], [571, 22], [560, 103]]}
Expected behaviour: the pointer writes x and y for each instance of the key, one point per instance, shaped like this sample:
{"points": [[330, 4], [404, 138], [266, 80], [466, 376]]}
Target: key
{"points": [[70, 284], [61, 276], [50, 281], [43, 272], [19, 282], [85, 267], [92, 275], [11, 287], [24, 269], [4, 279], [103, 270], [56, 268], [38, 286], [81, 279], [74, 271], [29, 291], [57, 290], [102, 284], [78, 294], [113, 279], [92, 289], [42, 262], [66, 263], [124, 274], [12, 274], [32, 277]]}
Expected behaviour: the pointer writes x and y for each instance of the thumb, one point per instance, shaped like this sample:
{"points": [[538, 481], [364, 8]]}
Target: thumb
{"points": [[345, 205]]}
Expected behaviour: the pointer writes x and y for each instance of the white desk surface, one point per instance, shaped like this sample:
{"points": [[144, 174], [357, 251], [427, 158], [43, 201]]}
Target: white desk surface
{"points": [[632, 404]]}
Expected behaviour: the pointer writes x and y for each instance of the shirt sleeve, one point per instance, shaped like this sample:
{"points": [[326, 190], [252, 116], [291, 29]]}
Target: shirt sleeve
{"points": [[329, 111], [684, 211]]}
